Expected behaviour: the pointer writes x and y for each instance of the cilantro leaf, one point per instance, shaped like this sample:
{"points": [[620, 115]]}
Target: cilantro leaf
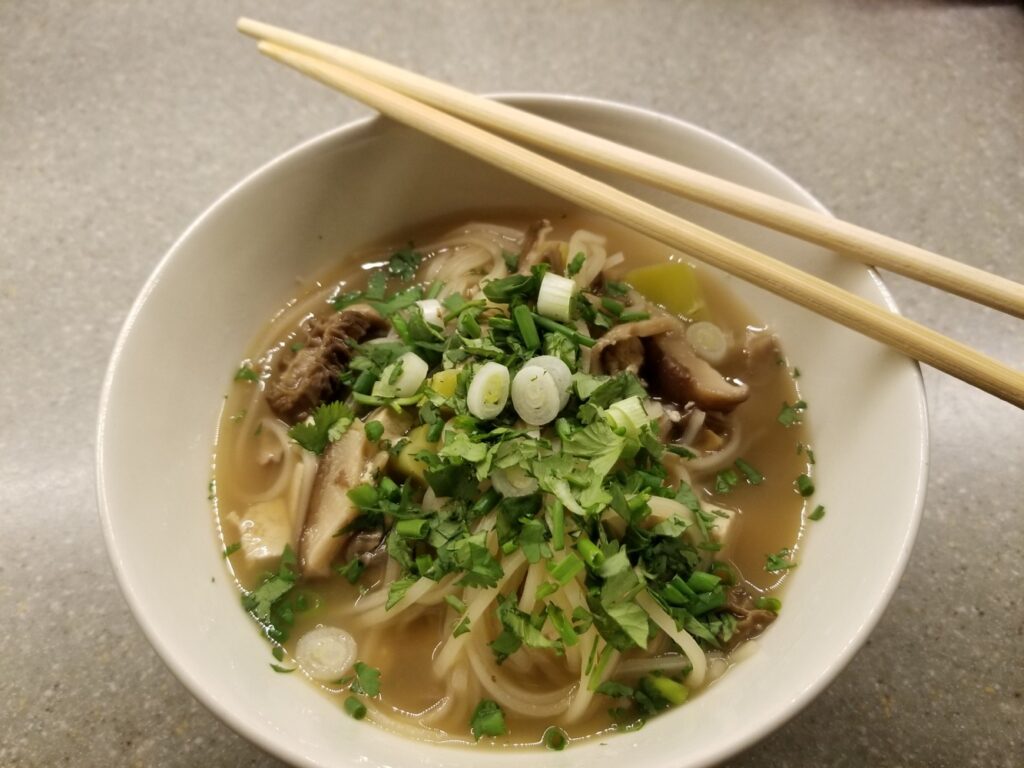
{"points": [[599, 444], [367, 680], [473, 557], [460, 445], [791, 414], [245, 373], [403, 263], [328, 423], [616, 388], [487, 720], [397, 590]]}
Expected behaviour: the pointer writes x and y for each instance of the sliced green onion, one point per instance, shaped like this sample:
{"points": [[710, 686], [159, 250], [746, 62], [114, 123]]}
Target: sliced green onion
{"points": [[468, 326], [403, 377], [363, 496], [424, 563], [708, 341], [613, 306], [555, 738], [554, 299], [433, 312], [546, 589], [374, 430], [535, 395], [355, 708], [589, 551], [484, 504], [559, 372], [817, 514], [700, 581], [455, 603], [488, 391], [634, 317], [772, 604], [565, 330], [415, 528], [566, 569], [557, 525], [629, 414], [753, 476], [364, 382], [513, 482], [527, 328], [674, 693]]}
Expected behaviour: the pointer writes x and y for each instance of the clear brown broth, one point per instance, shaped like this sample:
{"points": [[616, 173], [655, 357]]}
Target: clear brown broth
{"points": [[768, 517]]}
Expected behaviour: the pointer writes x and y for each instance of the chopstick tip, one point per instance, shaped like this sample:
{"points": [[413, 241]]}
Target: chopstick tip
{"points": [[247, 26]]}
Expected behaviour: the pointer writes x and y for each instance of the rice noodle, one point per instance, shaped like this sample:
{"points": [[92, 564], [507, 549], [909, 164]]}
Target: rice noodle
{"points": [[672, 662], [723, 457], [449, 652], [693, 426], [681, 638], [512, 696]]}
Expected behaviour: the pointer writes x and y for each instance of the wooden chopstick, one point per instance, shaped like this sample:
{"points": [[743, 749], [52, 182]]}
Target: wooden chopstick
{"points": [[859, 314], [856, 242]]}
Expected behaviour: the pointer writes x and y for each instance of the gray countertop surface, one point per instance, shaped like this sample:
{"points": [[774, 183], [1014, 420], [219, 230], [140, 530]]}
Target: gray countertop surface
{"points": [[120, 122]]}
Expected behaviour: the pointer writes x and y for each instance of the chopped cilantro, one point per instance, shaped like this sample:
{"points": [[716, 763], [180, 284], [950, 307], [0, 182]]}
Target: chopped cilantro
{"points": [[806, 449], [726, 480], [397, 590], [403, 263], [487, 720], [351, 570], [367, 680], [511, 260], [327, 424], [780, 561], [753, 476], [772, 604], [245, 373], [804, 485], [791, 414]]}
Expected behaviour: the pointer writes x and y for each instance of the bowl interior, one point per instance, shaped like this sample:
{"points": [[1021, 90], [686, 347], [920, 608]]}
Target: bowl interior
{"points": [[236, 265]]}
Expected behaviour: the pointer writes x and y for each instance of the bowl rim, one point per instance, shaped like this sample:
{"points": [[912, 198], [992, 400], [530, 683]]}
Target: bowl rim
{"points": [[524, 99]]}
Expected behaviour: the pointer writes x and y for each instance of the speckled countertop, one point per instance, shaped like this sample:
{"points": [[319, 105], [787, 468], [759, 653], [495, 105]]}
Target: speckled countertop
{"points": [[120, 122]]}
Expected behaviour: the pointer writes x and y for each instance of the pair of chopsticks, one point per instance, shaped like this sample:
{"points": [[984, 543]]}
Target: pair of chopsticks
{"points": [[431, 107]]}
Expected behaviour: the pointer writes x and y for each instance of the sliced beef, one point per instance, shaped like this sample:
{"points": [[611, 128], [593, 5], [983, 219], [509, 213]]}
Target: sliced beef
{"points": [[751, 621], [312, 375], [345, 464]]}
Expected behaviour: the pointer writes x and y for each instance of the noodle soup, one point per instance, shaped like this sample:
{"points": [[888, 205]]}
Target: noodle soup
{"points": [[514, 484]]}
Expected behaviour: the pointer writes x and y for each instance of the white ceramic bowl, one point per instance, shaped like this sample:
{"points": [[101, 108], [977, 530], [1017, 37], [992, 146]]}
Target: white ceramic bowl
{"points": [[237, 264]]}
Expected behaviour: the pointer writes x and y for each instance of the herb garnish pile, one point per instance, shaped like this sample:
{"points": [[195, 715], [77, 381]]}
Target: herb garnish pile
{"points": [[581, 486]]}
